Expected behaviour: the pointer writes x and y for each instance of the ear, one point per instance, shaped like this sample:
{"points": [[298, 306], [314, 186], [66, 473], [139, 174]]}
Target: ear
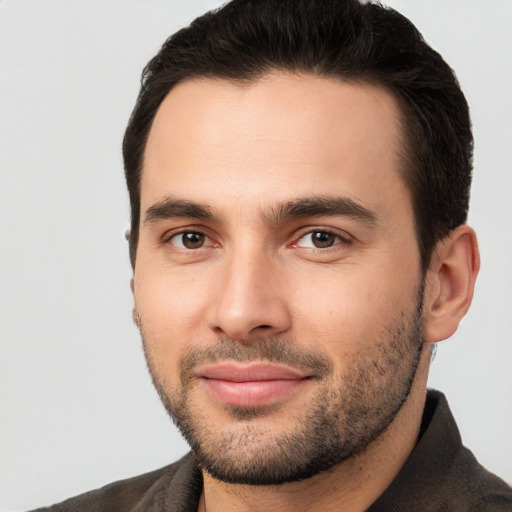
{"points": [[136, 317], [135, 313], [450, 283]]}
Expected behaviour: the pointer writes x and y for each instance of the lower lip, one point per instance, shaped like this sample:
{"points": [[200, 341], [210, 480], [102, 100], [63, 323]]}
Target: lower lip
{"points": [[251, 393]]}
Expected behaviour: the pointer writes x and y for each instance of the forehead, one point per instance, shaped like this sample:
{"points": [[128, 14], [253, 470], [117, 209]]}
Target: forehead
{"points": [[281, 137]]}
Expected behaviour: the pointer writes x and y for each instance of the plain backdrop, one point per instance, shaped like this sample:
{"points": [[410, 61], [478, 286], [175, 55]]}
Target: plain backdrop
{"points": [[77, 409]]}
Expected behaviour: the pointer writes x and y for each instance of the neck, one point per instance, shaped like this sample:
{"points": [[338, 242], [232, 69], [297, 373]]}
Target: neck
{"points": [[351, 486]]}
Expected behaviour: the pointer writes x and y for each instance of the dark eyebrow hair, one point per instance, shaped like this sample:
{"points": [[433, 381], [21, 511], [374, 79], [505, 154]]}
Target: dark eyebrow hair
{"points": [[321, 205], [171, 207]]}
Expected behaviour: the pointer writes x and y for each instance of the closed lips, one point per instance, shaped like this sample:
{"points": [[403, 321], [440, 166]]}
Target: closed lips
{"points": [[250, 385]]}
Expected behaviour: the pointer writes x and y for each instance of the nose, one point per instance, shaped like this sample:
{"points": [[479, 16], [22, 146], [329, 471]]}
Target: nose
{"points": [[250, 301]]}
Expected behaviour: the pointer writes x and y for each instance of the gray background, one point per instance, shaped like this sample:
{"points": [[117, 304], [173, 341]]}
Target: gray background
{"points": [[77, 409]]}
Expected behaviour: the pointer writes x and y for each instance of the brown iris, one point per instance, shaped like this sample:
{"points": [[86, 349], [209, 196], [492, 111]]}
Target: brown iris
{"points": [[323, 239], [192, 240]]}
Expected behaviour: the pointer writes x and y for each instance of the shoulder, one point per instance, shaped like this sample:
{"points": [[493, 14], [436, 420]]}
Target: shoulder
{"points": [[123, 495], [466, 484], [480, 490], [441, 474]]}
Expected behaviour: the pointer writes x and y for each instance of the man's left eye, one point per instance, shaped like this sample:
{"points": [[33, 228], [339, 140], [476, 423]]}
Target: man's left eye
{"points": [[319, 240]]}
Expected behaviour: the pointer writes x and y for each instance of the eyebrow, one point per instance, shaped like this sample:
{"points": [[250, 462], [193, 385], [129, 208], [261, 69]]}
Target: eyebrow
{"points": [[171, 207], [321, 206]]}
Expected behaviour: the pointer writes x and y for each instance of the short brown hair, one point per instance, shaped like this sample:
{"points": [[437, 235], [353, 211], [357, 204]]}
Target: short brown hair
{"points": [[330, 38]]}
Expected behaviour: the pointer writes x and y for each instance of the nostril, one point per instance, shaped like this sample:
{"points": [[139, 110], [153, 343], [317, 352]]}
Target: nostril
{"points": [[263, 327]]}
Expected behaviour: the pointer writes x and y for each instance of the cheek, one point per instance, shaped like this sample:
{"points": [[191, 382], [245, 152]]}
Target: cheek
{"points": [[169, 309], [349, 309]]}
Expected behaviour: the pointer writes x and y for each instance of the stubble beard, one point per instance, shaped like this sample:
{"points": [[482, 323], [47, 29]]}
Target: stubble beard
{"points": [[341, 418]]}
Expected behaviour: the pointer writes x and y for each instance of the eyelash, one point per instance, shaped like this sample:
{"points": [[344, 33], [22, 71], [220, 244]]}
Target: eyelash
{"points": [[343, 240], [167, 239]]}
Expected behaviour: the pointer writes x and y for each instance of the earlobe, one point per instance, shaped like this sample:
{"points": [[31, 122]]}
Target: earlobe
{"points": [[450, 282]]}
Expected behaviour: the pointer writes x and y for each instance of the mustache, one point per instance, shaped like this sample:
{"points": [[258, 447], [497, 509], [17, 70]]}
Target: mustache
{"points": [[260, 349]]}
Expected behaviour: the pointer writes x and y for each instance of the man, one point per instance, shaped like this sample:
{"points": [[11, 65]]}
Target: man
{"points": [[299, 178]]}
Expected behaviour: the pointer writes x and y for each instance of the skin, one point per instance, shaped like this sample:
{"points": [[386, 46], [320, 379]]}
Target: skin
{"points": [[242, 153]]}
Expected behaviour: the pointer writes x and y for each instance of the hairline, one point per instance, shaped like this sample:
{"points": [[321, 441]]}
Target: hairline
{"points": [[408, 160]]}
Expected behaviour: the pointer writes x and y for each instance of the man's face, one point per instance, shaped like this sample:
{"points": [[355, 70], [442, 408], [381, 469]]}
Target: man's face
{"points": [[277, 281]]}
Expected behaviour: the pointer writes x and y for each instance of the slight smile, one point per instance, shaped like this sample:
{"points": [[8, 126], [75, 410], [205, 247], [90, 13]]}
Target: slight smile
{"points": [[250, 385]]}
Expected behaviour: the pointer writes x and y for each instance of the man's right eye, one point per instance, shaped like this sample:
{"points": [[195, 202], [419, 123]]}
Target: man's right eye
{"points": [[189, 240]]}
